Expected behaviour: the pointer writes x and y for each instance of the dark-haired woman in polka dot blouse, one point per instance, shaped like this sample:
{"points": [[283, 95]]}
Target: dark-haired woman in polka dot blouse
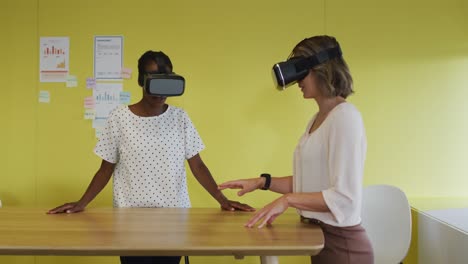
{"points": [[145, 146]]}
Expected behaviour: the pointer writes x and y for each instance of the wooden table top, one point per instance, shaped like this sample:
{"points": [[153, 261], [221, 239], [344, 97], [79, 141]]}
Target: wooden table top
{"points": [[153, 231]]}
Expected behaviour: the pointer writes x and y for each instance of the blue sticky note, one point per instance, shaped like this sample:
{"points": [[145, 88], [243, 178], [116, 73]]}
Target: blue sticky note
{"points": [[125, 97]]}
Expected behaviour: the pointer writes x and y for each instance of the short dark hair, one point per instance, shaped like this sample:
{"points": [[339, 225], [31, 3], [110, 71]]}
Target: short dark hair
{"points": [[162, 60]]}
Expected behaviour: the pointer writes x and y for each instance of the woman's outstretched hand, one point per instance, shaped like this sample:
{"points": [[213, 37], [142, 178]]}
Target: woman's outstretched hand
{"points": [[246, 185]]}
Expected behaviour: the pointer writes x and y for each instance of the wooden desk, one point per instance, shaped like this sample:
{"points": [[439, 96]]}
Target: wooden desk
{"points": [[151, 231]]}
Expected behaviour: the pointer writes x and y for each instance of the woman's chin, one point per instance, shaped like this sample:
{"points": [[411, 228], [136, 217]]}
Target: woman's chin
{"points": [[157, 100]]}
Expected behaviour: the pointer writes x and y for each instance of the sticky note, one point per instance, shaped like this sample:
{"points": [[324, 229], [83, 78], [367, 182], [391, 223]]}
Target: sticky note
{"points": [[126, 73], [72, 81], [89, 102], [125, 97], [89, 114], [90, 83], [44, 97]]}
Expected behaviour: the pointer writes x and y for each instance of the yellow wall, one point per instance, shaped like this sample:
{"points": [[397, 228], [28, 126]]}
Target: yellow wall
{"points": [[409, 60]]}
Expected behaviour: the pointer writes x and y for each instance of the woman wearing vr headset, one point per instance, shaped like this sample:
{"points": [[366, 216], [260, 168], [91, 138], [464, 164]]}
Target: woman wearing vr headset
{"points": [[326, 185], [145, 146]]}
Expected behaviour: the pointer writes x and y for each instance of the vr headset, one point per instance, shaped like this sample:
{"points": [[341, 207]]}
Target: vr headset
{"points": [[164, 84], [295, 69]]}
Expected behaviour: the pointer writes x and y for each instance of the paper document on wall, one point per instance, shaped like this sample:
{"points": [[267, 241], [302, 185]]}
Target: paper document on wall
{"points": [[106, 98], [108, 57], [54, 59]]}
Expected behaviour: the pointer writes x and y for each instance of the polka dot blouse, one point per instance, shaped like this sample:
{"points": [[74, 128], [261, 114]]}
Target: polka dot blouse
{"points": [[150, 153]]}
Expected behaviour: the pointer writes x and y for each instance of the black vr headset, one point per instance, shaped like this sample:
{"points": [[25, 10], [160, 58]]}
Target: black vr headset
{"points": [[288, 72], [164, 84]]}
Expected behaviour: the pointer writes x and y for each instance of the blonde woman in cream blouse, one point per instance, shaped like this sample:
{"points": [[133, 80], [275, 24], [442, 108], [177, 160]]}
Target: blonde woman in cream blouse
{"points": [[326, 184]]}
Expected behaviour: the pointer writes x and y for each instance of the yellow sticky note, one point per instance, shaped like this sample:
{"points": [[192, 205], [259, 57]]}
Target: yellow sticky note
{"points": [[89, 114]]}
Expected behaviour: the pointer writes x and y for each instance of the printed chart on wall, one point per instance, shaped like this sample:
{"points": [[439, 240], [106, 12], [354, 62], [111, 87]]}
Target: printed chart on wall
{"points": [[106, 98], [108, 57], [54, 59]]}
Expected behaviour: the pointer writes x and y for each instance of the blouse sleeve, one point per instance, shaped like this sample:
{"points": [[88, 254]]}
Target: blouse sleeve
{"points": [[107, 147], [193, 142], [346, 156]]}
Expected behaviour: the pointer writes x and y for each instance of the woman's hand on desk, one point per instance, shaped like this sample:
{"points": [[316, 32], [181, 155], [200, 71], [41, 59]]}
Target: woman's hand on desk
{"points": [[68, 208], [269, 213], [246, 185]]}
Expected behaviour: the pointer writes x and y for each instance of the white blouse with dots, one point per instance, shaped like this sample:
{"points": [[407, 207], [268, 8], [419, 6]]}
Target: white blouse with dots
{"points": [[150, 153]]}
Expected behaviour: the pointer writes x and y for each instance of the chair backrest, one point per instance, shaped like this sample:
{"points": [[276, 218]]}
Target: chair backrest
{"points": [[386, 216]]}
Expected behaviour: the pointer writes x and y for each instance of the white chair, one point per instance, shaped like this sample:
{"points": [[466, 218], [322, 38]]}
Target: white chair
{"points": [[386, 216]]}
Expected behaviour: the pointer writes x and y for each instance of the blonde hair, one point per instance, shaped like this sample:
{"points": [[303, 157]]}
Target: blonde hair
{"points": [[334, 76]]}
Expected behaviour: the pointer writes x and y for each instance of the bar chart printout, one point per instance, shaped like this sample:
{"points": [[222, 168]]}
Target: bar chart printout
{"points": [[106, 98], [54, 59]]}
